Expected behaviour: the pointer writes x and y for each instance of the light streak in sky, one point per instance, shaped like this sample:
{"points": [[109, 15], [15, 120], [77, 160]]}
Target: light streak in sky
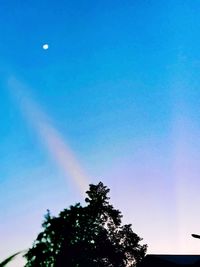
{"points": [[49, 135], [185, 169]]}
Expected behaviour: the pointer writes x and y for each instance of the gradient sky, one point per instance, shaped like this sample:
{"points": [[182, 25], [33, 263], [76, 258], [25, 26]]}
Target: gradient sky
{"points": [[115, 98]]}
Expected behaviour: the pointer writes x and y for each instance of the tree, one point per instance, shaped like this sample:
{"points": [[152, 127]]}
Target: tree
{"points": [[86, 236]]}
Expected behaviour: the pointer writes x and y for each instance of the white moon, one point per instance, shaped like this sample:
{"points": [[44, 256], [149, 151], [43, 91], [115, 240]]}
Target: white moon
{"points": [[45, 46]]}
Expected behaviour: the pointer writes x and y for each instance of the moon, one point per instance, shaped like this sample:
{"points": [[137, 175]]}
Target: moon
{"points": [[45, 46]]}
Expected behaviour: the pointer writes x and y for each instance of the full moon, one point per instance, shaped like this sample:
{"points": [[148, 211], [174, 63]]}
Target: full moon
{"points": [[45, 46]]}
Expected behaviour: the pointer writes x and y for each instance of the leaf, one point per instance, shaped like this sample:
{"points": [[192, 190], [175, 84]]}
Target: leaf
{"points": [[6, 261]]}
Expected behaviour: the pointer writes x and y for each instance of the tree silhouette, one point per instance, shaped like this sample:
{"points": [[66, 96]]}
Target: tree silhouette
{"points": [[86, 236]]}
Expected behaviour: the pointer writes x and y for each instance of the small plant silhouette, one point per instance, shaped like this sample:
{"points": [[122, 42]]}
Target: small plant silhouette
{"points": [[9, 259]]}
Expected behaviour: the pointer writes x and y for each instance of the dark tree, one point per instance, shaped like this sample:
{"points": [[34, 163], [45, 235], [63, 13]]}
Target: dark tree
{"points": [[86, 236]]}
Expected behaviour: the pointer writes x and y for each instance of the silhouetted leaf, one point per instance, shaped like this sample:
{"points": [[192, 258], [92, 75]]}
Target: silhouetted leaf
{"points": [[6, 261]]}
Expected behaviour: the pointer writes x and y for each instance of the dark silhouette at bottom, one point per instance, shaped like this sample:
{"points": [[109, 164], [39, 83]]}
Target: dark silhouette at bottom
{"points": [[87, 236]]}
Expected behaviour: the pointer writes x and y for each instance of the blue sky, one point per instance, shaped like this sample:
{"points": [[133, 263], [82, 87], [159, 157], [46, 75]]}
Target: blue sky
{"points": [[119, 85]]}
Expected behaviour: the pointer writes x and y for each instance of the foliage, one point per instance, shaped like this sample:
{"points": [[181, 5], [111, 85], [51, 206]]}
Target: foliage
{"points": [[86, 236]]}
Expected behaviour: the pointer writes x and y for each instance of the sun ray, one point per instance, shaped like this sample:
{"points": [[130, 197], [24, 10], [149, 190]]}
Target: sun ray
{"points": [[57, 147]]}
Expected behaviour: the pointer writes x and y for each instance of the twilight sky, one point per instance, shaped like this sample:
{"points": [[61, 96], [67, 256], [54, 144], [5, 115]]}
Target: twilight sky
{"points": [[115, 98]]}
